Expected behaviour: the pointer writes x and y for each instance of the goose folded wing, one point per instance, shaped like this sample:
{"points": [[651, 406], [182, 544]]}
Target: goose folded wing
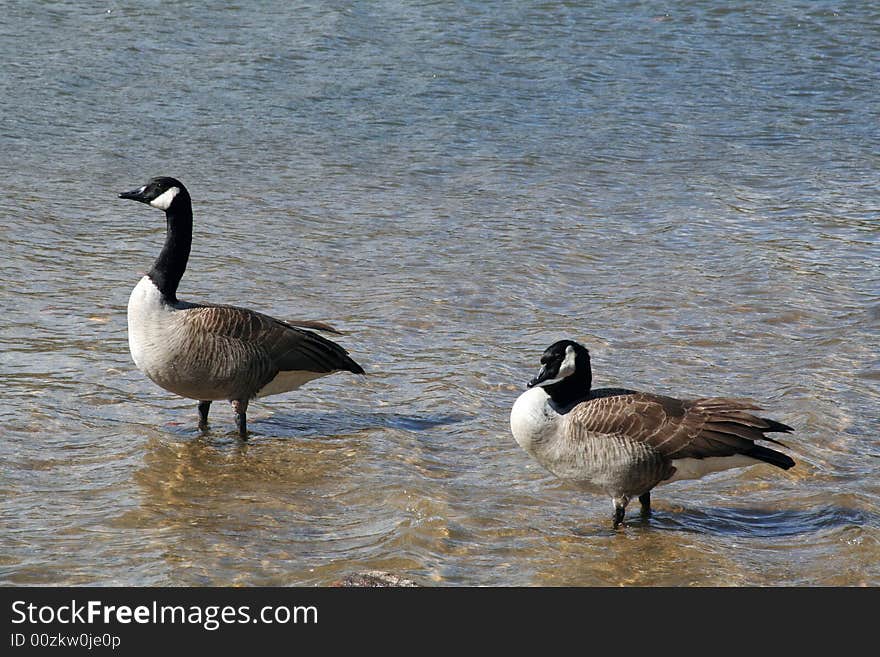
{"points": [[284, 346], [313, 324], [676, 428]]}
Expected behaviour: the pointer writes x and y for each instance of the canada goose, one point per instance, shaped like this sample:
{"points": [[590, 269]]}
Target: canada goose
{"points": [[209, 352], [622, 442]]}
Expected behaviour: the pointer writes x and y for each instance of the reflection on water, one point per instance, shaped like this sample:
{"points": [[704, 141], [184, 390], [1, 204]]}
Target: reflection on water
{"points": [[225, 499], [455, 190], [719, 547]]}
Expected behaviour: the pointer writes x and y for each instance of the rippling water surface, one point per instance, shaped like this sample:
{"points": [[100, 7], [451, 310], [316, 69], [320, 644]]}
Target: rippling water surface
{"points": [[690, 190]]}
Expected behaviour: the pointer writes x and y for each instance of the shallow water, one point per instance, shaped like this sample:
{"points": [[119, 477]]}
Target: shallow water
{"points": [[692, 193]]}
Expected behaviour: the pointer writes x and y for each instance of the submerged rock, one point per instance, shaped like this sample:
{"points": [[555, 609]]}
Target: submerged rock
{"points": [[374, 578]]}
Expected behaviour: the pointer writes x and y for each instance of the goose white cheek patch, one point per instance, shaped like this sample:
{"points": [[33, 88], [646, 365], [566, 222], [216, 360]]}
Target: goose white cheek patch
{"points": [[163, 201], [566, 369]]}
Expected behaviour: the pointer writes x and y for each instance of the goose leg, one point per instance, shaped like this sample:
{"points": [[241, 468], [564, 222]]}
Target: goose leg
{"points": [[204, 407], [240, 408], [619, 509], [645, 501]]}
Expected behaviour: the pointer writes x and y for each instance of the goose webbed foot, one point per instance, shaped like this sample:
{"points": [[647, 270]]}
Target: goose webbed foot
{"points": [[619, 510], [240, 408], [645, 501], [204, 407]]}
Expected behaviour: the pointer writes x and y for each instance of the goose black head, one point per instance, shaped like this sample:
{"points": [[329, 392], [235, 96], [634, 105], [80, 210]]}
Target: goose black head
{"points": [[161, 192], [566, 362]]}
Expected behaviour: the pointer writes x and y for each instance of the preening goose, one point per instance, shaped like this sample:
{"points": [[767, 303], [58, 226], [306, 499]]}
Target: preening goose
{"points": [[209, 352], [622, 442]]}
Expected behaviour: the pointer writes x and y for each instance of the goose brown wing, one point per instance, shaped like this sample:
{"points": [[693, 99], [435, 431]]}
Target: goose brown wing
{"points": [[312, 324], [677, 428], [283, 347], [727, 425]]}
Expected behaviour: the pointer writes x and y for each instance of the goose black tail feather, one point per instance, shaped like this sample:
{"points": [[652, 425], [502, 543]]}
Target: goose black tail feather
{"points": [[771, 456], [335, 356], [773, 425]]}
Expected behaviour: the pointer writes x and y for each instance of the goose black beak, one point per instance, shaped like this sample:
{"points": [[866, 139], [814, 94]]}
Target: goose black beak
{"points": [[135, 195], [542, 376]]}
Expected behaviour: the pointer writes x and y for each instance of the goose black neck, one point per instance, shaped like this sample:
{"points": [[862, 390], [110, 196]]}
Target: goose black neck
{"points": [[169, 267], [570, 391]]}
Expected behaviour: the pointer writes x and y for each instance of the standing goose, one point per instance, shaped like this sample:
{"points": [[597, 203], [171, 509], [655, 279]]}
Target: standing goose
{"points": [[209, 352], [622, 442]]}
